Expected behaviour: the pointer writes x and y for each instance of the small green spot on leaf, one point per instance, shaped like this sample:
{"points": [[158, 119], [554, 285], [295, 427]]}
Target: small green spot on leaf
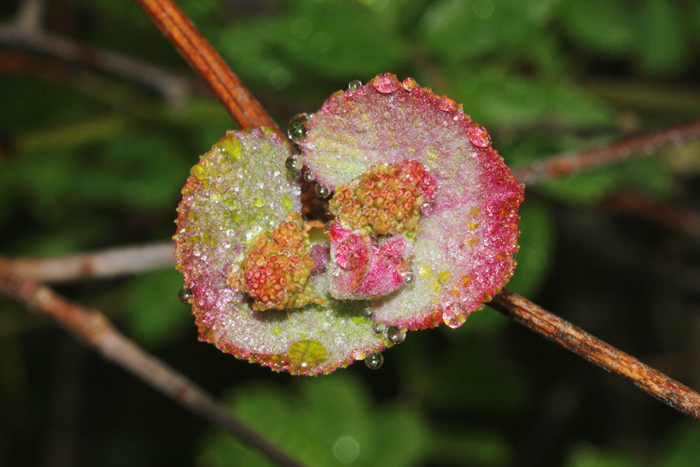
{"points": [[198, 171], [286, 203], [307, 353], [230, 147]]}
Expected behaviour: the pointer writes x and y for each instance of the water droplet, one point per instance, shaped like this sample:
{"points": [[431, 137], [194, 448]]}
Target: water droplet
{"points": [[297, 127], [479, 136], [409, 84], [409, 278], [322, 191], [378, 327], [395, 335], [374, 361], [286, 203], [346, 449], [454, 315], [386, 83], [354, 84], [258, 202], [447, 104], [368, 313], [309, 177], [293, 164], [185, 295]]}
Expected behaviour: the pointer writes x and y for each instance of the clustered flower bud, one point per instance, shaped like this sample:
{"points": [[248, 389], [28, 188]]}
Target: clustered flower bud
{"points": [[385, 200], [276, 268]]}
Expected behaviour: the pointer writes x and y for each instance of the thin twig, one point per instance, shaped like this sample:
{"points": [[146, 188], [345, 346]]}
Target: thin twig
{"points": [[572, 338], [672, 217], [173, 86], [100, 264], [96, 331], [30, 14], [559, 166], [178, 29]]}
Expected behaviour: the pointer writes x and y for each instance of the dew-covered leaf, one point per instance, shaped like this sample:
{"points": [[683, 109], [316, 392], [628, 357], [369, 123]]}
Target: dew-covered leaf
{"points": [[462, 253], [237, 198]]}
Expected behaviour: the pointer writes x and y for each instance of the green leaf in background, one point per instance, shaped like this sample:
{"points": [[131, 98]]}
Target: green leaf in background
{"points": [[648, 175], [536, 247], [328, 421], [662, 47], [602, 25], [493, 95], [473, 447], [458, 30], [481, 378], [154, 313], [248, 46], [334, 39], [339, 39], [683, 446], [585, 455]]}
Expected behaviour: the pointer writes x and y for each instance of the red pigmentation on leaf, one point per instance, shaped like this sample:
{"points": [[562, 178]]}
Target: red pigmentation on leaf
{"points": [[425, 232]]}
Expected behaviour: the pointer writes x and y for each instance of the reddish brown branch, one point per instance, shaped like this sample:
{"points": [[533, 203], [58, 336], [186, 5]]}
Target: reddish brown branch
{"points": [[559, 166], [100, 264], [596, 351], [95, 330], [178, 29]]}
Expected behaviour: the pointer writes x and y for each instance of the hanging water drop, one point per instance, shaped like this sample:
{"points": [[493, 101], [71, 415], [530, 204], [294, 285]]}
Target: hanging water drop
{"points": [[409, 278], [296, 130], [354, 84], [322, 191], [368, 313], [293, 164], [479, 136], [309, 177], [454, 315], [185, 295], [374, 361], [378, 327], [409, 84], [395, 335]]}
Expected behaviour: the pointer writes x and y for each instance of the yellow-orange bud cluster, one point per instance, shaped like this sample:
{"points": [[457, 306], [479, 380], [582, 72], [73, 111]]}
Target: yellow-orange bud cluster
{"points": [[276, 268], [385, 200]]}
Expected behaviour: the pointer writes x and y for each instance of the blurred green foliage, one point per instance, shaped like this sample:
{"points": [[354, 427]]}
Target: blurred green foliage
{"points": [[88, 160], [330, 422]]}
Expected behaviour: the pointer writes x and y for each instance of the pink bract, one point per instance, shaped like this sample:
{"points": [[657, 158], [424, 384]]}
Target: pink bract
{"points": [[363, 268], [463, 253]]}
